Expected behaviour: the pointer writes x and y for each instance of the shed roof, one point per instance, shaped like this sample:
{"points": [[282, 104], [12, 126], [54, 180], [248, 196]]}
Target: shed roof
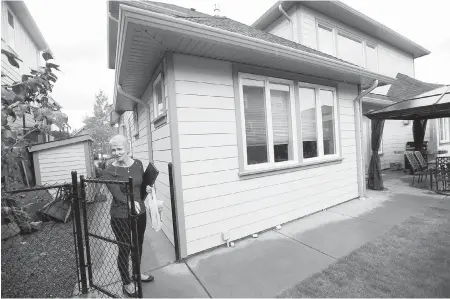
{"points": [[58, 143]]}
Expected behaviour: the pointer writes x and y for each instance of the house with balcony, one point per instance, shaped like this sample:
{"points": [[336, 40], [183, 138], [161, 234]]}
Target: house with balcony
{"points": [[262, 124], [21, 36]]}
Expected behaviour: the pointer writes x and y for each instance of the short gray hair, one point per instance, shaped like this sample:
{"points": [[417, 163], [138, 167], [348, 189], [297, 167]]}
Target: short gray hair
{"points": [[120, 139]]}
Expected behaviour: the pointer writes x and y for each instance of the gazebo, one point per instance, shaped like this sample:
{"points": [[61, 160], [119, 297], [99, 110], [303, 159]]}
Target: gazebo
{"points": [[420, 108]]}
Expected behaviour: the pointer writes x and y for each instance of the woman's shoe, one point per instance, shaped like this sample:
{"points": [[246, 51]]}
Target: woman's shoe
{"points": [[129, 290], [146, 278]]}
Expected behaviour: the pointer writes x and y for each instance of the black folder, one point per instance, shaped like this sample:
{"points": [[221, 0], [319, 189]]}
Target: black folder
{"points": [[150, 175], [149, 178]]}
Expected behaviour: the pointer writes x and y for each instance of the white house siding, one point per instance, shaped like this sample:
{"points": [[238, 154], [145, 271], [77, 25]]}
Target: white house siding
{"points": [[282, 27], [390, 59], [395, 136], [27, 51], [215, 199], [161, 151], [56, 164]]}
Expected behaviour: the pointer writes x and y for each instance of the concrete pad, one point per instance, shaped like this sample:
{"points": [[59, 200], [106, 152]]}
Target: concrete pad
{"points": [[259, 267], [157, 251], [173, 281], [334, 234], [385, 208]]}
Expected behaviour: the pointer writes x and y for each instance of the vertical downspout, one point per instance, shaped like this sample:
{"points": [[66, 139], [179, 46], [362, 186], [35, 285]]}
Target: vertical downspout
{"points": [[280, 8], [359, 153]]}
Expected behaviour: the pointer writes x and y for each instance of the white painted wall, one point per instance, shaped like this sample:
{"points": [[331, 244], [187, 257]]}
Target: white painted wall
{"points": [[215, 198], [25, 48], [161, 150], [390, 59], [56, 164], [282, 27]]}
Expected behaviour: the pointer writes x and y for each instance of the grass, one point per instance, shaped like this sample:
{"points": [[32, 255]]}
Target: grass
{"points": [[411, 260]]}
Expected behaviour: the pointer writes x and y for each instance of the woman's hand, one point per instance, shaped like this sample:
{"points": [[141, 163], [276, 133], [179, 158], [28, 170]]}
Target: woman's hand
{"points": [[148, 189]]}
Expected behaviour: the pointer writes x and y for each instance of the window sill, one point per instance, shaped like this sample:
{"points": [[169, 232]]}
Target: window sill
{"points": [[444, 142], [160, 120], [285, 168]]}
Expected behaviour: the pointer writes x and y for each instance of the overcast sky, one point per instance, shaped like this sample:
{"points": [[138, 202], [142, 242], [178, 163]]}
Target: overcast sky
{"points": [[76, 33]]}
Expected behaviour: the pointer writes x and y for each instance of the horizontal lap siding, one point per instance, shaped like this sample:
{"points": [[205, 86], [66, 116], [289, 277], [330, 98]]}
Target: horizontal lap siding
{"points": [[215, 198], [56, 164]]}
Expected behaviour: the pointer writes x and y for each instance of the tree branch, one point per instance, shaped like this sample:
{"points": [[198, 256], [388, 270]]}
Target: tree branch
{"points": [[12, 146]]}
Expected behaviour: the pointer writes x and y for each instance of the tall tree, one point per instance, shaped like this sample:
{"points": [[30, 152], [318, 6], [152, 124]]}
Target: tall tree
{"points": [[98, 125]]}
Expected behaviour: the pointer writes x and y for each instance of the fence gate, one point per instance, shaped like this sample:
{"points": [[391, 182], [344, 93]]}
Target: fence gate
{"points": [[112, 251]]}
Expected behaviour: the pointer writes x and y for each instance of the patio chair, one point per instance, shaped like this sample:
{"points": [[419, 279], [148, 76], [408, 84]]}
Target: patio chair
{"points": [[442, 173], [415, 166], [423, 164]]}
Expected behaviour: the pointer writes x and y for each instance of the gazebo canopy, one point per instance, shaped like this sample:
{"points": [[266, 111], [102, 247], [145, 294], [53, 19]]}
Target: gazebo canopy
{"points": [[429, 105]]}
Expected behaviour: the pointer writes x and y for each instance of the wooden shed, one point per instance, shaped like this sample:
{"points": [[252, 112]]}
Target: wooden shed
{"points": [[53, 161]]}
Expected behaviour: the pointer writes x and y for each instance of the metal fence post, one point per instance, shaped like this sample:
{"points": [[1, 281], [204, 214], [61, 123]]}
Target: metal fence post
{"points": [[174, 213], [76, 211], [134, 239], [86, 228]]}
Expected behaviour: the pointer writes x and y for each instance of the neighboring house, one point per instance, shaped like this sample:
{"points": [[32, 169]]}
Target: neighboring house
{"points": [[20, 35], [261, 130], [334, 28]]}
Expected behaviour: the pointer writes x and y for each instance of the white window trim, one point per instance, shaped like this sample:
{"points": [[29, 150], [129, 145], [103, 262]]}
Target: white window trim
{"points": [[271, 164], [297, 143], [136, 121], [446, 132], [13, 47], [321, 157], [336, 30], [156, 114]]}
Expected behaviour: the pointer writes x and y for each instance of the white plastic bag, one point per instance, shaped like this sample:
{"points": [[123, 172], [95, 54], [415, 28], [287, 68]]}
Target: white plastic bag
{"points": [[152, 205]]}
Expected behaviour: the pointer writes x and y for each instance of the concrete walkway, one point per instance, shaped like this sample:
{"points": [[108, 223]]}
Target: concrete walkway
{"points": [[278, 259]]}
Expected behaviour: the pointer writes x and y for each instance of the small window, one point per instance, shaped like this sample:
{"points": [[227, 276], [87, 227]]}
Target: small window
{"points": [[11, 31], [158, 97], [444, 129], [136, 121], [350, 49], [325, 40]]}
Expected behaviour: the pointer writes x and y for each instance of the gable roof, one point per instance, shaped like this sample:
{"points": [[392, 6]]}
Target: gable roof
{"points": [[349, 16], [223, 23], [406, 87]]}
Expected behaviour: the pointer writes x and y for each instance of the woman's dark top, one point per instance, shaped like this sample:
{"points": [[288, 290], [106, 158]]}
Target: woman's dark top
{"points": [[119, 205]]}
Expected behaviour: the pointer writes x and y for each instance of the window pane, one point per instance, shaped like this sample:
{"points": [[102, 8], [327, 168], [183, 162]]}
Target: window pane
{"points": [[326, 40], [281, 115], [158, 98], [350, 50], [371, 58], [255, 124], [328, 119], [308, 121], [10, 20]]}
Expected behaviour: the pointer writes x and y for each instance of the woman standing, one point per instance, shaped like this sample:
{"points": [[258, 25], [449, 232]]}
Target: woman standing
{"points": [[120, 170]]}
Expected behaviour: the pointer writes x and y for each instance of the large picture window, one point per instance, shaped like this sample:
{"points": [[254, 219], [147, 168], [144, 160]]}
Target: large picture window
{"points": [[350, 49], [444, 129], [269, 121]]}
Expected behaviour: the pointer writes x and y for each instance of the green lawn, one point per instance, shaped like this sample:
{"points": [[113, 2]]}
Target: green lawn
{"points": [[411, 260]]}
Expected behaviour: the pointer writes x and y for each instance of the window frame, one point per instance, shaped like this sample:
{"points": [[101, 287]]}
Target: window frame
{"points": [[156, 115], [446, 128], [271, 164], [295, 126], [336, 31], [319, 124], [11, 43], [136, 121]]}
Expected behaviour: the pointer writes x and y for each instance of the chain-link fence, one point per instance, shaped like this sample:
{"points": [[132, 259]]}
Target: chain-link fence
{"points": [[39, 255], [112, 253]]}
